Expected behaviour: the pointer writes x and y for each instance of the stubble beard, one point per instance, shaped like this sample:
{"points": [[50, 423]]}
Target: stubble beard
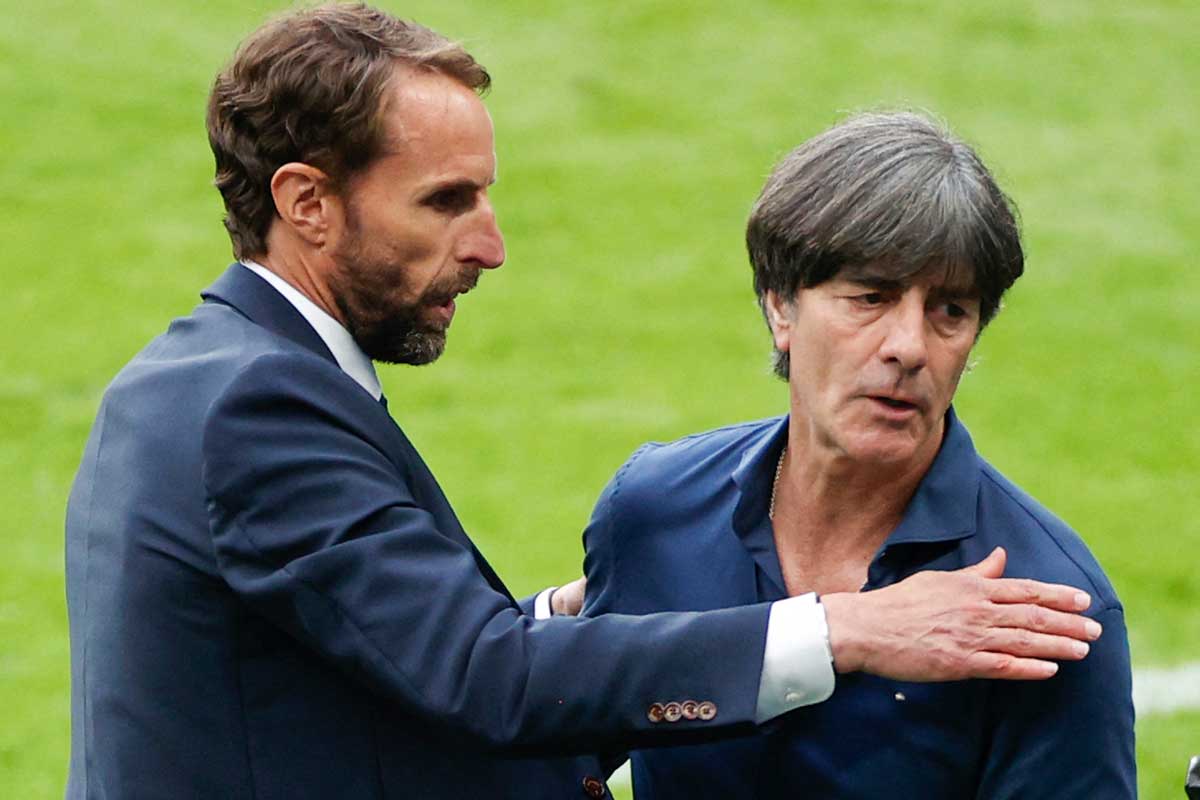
{"points": [[387, 329]]}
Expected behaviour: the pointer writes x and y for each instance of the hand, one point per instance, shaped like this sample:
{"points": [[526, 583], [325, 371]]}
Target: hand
{"points": [[970, 623], [568, 599]]}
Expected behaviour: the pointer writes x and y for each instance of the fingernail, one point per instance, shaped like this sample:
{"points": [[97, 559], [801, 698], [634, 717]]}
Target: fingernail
{"points": [[1093, 629], [1082, 600], [1081, 649]]}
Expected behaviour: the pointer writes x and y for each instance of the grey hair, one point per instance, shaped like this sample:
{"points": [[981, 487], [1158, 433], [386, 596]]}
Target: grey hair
{"points": [[894, 190]]}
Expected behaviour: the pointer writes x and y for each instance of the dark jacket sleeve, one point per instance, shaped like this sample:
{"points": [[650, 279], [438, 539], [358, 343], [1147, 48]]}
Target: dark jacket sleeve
{"points": [[320, 526], [1070, 737]]}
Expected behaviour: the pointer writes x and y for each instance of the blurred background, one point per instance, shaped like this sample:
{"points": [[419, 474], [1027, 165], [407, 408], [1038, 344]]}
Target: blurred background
{"points": [[632, 139]]}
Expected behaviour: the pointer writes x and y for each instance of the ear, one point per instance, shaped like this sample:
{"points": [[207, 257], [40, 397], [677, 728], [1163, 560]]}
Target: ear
{"points": [[780, 315], [306, 203]]}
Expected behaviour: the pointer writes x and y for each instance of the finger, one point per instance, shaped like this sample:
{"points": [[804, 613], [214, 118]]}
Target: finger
{"points": [[1001, 666], [990, 567], [1050, 595], [1028, 644], [1044, 620]]}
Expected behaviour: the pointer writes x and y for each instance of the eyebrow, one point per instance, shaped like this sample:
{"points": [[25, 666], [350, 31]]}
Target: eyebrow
{"points": [[884, 283], [454, 185], [955, 292], [879, 282]]}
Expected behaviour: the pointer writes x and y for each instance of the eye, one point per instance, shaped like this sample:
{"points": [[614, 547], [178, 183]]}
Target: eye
{"points": [[454, 198], [955, 310], [871, 298]]}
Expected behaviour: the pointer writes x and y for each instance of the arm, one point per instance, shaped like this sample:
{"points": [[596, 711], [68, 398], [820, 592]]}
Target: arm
{"points": [[967, 623], [1069, 737], [320, 526]]}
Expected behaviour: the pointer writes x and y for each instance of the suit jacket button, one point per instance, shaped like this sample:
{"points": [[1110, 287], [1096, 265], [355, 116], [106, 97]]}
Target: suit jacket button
{"points": [[690, 709], [655, 712], [707, 710], [672, 712], [593, 786]]}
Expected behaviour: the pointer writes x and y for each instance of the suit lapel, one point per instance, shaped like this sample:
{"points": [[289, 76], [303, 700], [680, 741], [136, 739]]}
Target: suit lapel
{"points": [[434, 500], [258, 301]]}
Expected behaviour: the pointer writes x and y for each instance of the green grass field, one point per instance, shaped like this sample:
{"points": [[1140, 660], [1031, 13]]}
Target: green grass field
{"points": [[632, 138]]}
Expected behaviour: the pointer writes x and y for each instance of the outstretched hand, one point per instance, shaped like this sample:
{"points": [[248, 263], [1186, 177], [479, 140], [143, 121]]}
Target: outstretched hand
{"points": [[969, 623]]}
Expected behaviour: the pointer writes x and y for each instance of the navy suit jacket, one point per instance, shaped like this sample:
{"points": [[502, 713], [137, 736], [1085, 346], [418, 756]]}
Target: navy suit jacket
{"points": [[684, 526], [270, 597]]}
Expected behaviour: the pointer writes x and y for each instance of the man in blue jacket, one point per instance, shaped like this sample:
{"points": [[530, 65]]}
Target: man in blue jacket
{"points": [[880, 250], [269, 595]]}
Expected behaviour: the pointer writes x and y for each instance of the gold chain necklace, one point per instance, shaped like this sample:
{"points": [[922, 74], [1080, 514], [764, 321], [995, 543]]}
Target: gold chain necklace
{"points": [[775, 483]]}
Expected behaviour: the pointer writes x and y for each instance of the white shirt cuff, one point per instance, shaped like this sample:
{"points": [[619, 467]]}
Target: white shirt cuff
{"points": [[797, 663], [541, 604]]}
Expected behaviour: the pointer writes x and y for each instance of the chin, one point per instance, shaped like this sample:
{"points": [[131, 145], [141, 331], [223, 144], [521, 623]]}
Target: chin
{"points": [[882, 447]]}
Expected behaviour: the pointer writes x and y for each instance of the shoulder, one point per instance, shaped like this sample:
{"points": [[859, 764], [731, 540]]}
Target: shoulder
{"points": [[214, 374], [166, 391], [665, 487], [1040, 545], [212, 345], [668, 502], [702, 458]]}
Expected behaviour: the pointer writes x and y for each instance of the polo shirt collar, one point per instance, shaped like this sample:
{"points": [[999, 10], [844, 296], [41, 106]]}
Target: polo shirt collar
{"points": [[943, 509], [753, 478]]}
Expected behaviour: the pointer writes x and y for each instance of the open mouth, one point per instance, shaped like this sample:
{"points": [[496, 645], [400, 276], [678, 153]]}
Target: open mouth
{"points": [[891, 402]]}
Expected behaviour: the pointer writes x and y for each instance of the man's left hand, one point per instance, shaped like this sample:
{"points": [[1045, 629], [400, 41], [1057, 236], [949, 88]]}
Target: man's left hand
{"points": [[568, 600]]}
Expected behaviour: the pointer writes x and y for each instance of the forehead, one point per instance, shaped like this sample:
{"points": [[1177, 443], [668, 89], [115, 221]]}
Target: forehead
{"points": [[433, 124]]}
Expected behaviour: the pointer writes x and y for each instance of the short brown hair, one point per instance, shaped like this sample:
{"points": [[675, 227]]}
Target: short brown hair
{"points": [[308, 87], [893, 189]]}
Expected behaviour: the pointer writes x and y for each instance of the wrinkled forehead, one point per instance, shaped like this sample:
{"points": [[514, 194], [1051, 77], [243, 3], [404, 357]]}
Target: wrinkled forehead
{"points": [[955, 278]]}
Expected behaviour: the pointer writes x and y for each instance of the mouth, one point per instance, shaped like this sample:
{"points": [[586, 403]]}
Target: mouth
{"points": [[443, 308], [442, 303], [895, 406]]}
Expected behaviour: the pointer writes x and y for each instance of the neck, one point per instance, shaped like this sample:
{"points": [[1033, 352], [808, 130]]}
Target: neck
{"points": [[305, 271], [832, 512]]}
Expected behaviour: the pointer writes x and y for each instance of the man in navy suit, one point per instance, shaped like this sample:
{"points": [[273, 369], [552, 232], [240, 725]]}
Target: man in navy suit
{"points": [[880, 249], [269, 595]]}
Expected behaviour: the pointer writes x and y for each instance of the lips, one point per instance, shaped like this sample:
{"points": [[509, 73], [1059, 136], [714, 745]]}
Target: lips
{"points": [[895, 402], [895, 407]]}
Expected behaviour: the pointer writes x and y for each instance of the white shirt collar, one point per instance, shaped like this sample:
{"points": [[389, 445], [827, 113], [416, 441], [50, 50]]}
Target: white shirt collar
{"points": [[346, 352]]}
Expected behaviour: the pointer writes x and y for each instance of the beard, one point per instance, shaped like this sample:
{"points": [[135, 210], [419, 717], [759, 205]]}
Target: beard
{"points": [[368, 291]]}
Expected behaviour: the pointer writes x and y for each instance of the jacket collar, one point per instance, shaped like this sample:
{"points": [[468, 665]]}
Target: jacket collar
{"points": [[259, 302]]}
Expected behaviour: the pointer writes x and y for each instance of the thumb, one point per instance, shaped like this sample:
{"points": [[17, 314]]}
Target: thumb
{"points": [[990, 567]]}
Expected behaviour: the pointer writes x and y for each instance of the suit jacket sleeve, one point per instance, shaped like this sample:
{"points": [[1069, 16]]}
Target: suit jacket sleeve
{"points": [[319, 526], [1070, 736]]}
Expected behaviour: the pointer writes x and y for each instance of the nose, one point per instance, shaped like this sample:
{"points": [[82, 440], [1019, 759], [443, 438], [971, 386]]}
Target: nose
{"points": [[904, 338], [485, 244]]}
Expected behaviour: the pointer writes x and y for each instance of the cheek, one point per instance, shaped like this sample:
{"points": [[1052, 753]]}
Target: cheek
{"points": [[951, 372]]}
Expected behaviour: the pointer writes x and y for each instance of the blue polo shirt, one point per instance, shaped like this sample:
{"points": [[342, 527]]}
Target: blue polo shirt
{"points": [[683, 526]]}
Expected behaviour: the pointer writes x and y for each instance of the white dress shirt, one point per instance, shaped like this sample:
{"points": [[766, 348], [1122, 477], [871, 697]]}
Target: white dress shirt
{"points": [[797, 662]]}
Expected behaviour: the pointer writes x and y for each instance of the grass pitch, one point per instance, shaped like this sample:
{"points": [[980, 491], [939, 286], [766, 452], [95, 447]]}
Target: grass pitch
{"points": [[632, 139]]}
